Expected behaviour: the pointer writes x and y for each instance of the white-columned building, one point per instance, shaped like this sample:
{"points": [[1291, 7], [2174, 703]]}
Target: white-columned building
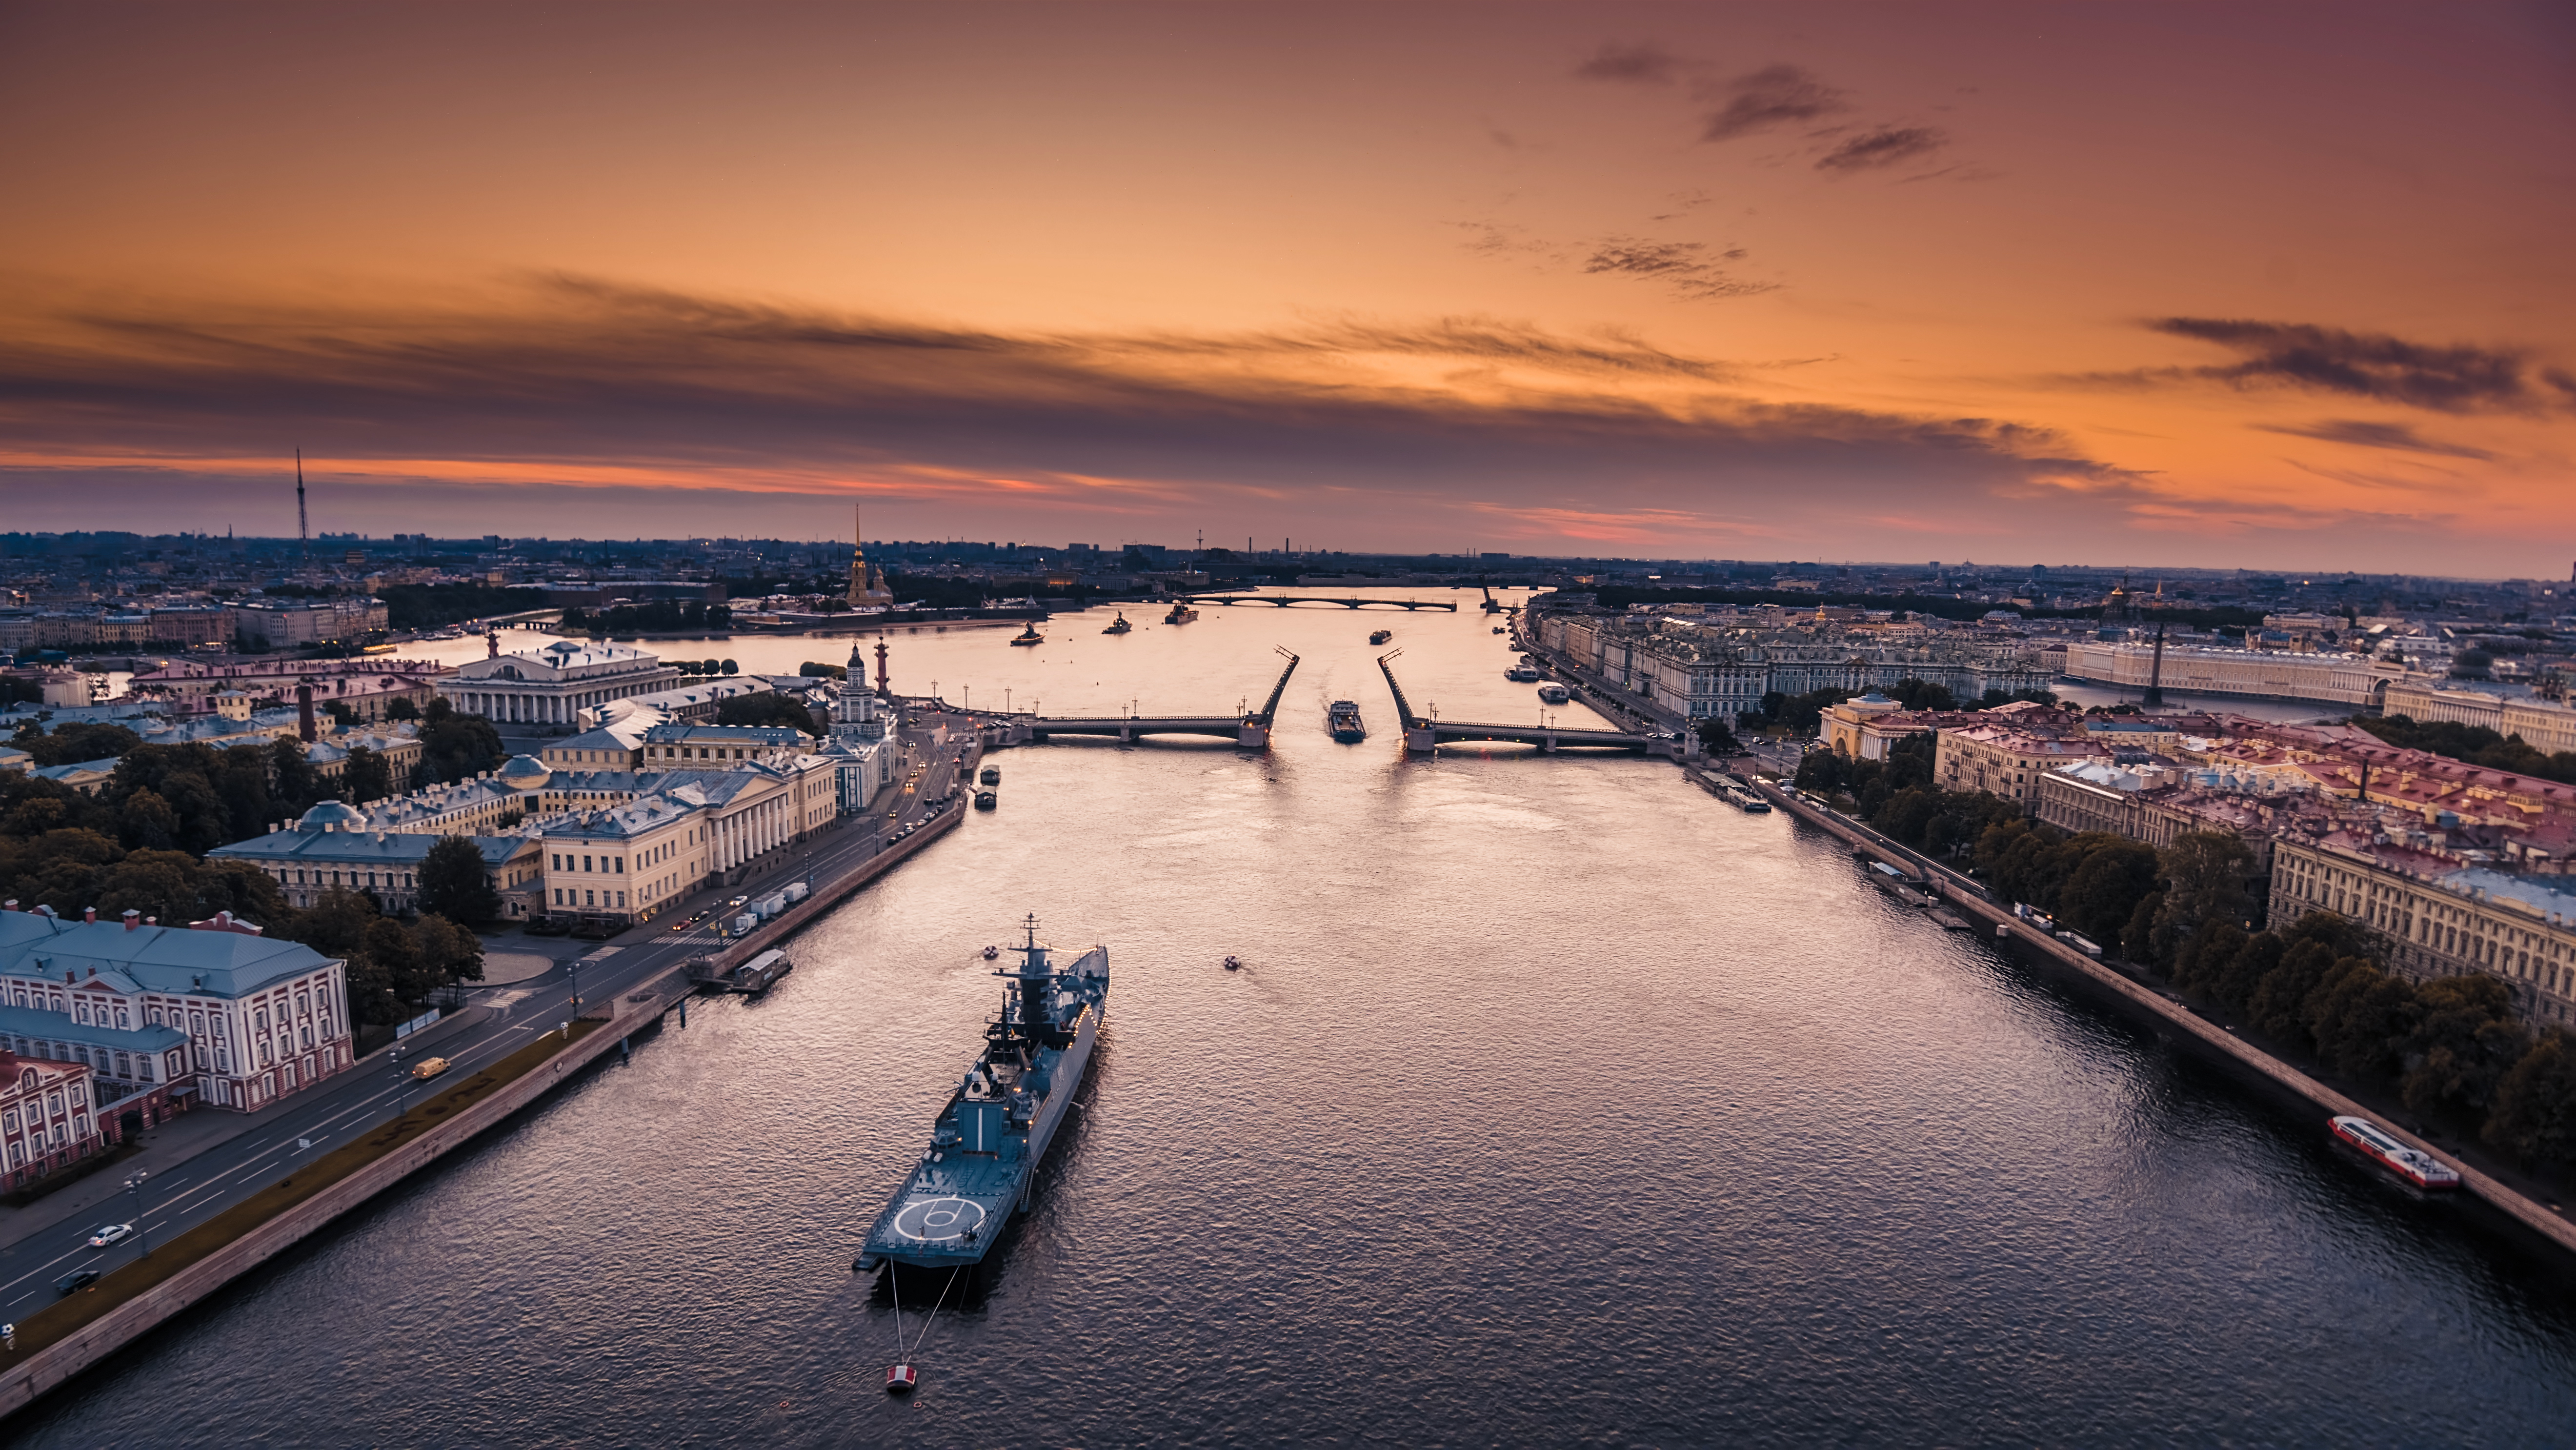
{"points": [[2340, 679], [549, 688]]}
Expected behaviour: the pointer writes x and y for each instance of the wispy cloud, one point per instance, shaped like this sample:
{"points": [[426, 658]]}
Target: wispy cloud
{"points": [[1644, 63], [1776, 95], [2398, 437], [1691, 269], [1881, 148], [2458, 378]]}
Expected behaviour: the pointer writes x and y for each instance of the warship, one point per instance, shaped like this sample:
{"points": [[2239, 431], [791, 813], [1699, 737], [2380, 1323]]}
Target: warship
{"points": [[984, 1151]]}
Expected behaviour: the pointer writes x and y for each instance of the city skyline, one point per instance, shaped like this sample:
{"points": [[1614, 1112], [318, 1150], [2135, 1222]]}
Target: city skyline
{"points": [[1611, 282]]}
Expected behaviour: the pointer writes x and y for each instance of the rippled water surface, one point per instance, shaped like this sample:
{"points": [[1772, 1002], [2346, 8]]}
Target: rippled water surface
{"points": [[1558, 1103]]}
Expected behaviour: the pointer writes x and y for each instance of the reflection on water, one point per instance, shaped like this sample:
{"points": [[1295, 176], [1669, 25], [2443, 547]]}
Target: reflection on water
{"points": [[1556, 1103]]}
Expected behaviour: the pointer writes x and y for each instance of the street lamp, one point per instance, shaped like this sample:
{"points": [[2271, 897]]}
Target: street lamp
{"points": [[402, 1085], [134, 1186]]}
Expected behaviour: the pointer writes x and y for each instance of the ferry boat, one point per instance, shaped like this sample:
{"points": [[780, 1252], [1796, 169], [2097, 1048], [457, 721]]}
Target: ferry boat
{"points": [[1380, 636], [2421, 1169], [985, 1147], [1522, 674], [1343, 719], [1553, 693], [1121, 626], [985, 800], [1181, 613], [1029, 635], [992, 775]]}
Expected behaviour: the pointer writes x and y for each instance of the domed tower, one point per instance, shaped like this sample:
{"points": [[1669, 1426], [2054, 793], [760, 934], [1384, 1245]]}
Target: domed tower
{"points": [[854, 714], [524, 773], [868, 588]]}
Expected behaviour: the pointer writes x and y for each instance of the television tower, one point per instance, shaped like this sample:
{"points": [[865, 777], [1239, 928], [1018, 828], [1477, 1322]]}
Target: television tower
{"points": [[303, 533]]}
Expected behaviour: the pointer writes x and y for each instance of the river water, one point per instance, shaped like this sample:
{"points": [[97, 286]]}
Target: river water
{"points": [[1557, 1103]]}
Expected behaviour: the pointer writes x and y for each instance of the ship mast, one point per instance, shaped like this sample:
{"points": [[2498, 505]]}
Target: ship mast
{"points": [[1037, 983]]}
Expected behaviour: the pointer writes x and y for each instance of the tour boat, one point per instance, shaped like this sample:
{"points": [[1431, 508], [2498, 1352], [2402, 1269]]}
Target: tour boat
{"points": [[1380, 636], [1028, 635], [1553, 693], [2421, 1169]]}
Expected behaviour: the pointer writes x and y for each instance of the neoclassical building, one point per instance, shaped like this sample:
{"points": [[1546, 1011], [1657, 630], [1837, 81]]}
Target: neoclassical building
{"points": [[550, 687]]}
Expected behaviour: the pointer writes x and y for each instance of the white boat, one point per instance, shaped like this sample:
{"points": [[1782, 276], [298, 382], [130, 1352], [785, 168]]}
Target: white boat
{"points": [[2421, 1169], [1553, 693]]}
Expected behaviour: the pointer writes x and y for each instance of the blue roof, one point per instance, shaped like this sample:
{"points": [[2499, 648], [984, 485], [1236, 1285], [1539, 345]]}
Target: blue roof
{"points": [[46, 1025], [157, 958]]}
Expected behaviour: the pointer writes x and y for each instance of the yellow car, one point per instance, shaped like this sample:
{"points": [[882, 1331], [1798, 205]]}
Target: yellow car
{"points": [[429, 1068]]}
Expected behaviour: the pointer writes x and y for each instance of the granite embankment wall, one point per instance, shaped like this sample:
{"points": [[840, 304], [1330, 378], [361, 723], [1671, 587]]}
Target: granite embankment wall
{"points": [[2173, 1015], [120, 1326], [634, 1010]]}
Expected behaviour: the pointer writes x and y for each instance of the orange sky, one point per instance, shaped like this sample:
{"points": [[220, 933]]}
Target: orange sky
{"points": [[2280, 286]]}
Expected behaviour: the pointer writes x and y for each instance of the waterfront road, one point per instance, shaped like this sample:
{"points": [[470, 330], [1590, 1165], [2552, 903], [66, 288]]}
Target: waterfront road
{"points": [[180, 1195]]}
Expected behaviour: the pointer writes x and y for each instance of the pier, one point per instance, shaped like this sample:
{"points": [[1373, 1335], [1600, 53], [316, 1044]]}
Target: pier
{"points": [[1423, 734], [1284, 600], [1248, 729]]}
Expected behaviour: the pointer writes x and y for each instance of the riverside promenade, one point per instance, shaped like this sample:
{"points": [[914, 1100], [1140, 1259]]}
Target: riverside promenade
{"points": [[282, 1176], [1956, 891]]}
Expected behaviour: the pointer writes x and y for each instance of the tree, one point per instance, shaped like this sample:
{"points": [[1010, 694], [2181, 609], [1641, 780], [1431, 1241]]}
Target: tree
{"points": [[728, 667], [456, 746], [71, 744], [292, 775], [401, 708], [1922, 695], [2204, 875], [366, 776], [2535, 1105], [2111, 876], [454, 883], [448, 951], [1714, 736], [146, 821], [2360, 1017], [766, 709], [2465, 1039]]}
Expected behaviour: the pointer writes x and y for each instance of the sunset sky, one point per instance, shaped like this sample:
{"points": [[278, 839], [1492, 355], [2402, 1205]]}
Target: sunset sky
{"points": [[2284, 286]]}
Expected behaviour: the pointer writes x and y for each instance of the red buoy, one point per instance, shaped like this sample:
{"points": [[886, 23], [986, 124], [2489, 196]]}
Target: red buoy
{"points": [[900, 1378]]}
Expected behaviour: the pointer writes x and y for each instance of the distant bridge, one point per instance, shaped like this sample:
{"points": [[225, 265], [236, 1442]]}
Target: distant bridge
{"points": [[1284, 600], [1422, 734], [1250, 729]]}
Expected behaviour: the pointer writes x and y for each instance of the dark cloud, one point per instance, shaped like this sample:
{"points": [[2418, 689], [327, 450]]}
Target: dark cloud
{"points": [[2455, 379], [1773, 96], [1886, 146], [573, 379], [2396, 437], [1690, 268], [1644, 63]]}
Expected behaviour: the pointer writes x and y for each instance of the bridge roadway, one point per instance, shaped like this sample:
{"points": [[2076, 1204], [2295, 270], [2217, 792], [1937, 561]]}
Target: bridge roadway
{"points": [[210, 1159], [1422, 734], [1250, 731], [1284, 600]]}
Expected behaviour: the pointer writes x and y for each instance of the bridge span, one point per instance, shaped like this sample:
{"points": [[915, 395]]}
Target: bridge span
{"points": [[1284, 600], [1423, 734], [1249, 729]]}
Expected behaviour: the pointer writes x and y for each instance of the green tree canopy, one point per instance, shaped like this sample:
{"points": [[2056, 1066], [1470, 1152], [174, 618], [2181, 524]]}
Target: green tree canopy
{"points": [[454, 882]]}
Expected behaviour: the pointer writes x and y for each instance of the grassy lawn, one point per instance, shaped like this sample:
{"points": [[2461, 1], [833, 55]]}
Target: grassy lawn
{"points": [[443, 1097]]}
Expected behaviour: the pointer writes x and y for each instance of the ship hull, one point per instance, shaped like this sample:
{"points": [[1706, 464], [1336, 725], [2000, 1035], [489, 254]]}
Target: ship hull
{"points": [[959, 1199]]}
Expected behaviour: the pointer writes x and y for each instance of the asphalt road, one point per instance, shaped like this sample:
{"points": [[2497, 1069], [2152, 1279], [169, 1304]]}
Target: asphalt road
{"points": [[370, 1093]]}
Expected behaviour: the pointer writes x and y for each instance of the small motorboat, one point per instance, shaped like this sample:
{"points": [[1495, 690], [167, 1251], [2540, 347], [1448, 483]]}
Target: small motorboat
{"points": [[1029, 635], [991, 952], [1498, 629], [1121, 626], [901, 1378], [1380, 636], [1234, 964]]}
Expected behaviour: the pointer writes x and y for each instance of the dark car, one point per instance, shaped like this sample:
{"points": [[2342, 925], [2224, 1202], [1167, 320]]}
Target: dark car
{"points": [[549, 926], [76, 1280]]}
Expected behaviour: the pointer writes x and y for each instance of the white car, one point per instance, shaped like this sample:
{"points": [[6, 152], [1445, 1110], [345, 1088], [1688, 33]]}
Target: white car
{"points": [[115, 1233]]}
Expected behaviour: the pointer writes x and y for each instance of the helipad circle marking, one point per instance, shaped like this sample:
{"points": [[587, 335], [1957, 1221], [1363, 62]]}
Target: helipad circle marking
{"points": [[938, 1220]]}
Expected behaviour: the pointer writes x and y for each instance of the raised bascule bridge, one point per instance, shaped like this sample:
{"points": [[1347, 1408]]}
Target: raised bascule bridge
{"points": [[1423, 734], [1248, 729]]}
